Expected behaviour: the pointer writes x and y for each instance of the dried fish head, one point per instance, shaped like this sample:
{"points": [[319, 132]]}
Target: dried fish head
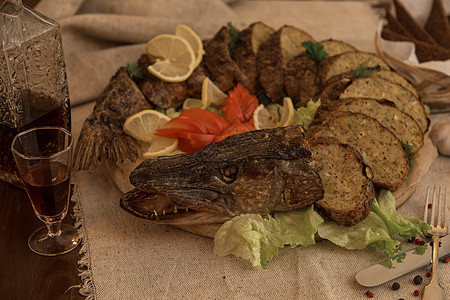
{"points": [[254, 172]]}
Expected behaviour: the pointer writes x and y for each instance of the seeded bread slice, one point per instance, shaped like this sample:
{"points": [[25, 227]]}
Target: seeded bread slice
{"points": [[405, 128], [348, 62], [379, 147], [397, 78], [335, 47], [346, 179], [380, 88]]}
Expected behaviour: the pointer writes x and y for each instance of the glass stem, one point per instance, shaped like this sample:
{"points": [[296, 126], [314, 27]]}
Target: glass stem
{"points": [[54, 229]]}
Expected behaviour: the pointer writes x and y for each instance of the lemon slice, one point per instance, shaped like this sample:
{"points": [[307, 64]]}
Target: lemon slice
{"points": [[262, 119], [142, 125], [193, 39], [192, 103], [287, 113], [160, 146], [211, 94], [174, 56]]}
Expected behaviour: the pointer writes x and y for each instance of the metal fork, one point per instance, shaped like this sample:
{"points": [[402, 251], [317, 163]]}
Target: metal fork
{"points": [[439, 228]]}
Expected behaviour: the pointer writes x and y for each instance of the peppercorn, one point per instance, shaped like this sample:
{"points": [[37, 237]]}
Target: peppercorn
{"points": [[412, 239], [430, 205], [417, 241], [428, 274], [395, 286], [369, 294], [416, 293], [418, 279], [446, 259]]}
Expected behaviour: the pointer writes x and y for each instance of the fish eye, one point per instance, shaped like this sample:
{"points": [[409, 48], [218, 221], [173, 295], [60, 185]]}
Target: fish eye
{"points": [[229, 173]]}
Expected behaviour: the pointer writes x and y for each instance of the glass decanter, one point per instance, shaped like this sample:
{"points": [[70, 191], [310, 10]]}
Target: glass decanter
{"points": [[33, 84]]}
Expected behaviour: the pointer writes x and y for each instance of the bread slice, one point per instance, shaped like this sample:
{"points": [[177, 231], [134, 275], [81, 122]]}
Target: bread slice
{"points": [[424, 51], [273, 56], [380, 88], [346, 179], [411, 25], [397, 78], [437, 24], [335, 47], [379, 147], [405, 128], [395, 25], [247, 46], [347, 63]]}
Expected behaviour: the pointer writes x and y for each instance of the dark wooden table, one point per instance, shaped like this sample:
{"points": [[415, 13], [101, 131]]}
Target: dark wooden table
{"points": [[24, 274]]}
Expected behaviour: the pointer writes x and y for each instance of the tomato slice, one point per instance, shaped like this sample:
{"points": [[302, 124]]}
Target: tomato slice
{"points": [[235, 128], [188, 123], [172, 133], [191, 141], [240, 105], [214, 123]]}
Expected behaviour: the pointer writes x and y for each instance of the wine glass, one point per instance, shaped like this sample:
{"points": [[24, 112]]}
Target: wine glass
{"points": [[44, 159]]}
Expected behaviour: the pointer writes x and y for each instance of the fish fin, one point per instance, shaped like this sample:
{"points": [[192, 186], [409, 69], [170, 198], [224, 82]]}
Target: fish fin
{"points": [[94, 146]]}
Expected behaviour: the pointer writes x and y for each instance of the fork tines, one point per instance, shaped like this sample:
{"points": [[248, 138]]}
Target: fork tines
{"points": [[437, 197]]}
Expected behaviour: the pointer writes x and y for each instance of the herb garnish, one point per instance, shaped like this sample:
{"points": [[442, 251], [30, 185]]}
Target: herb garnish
{"points": [[315, 51], [409, 153], [364, 71], [234, 37], [134, 71], [400, 256]]}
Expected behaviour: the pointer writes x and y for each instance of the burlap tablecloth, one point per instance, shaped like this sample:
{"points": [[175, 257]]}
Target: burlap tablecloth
{"points": [[128, 258]]}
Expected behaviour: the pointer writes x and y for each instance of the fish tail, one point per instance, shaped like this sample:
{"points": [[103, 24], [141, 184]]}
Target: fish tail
{"points": [[94, 146]]}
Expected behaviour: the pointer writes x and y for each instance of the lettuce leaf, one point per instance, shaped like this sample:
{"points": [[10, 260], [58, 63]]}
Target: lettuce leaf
{"points": [[304, 116], [369, 231], [257, 238], [398, 225]]}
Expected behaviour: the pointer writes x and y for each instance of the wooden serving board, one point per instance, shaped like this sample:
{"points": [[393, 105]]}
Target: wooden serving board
{"points": [[420, 166]]}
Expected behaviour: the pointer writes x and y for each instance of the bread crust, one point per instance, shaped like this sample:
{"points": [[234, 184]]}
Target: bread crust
{"points": [[347, 181], [379, 147], [405, 128]]}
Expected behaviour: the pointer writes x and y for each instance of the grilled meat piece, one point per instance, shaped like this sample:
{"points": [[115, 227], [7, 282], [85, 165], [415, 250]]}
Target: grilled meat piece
{"points": [[158, 92], [225, 72], [246, 49], [253, 172], [273, 56]]}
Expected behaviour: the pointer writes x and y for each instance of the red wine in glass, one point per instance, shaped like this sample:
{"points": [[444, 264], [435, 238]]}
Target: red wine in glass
{"points": [[43, 156], [48, 187]]}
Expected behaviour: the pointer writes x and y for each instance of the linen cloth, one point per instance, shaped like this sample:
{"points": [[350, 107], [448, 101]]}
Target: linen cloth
{"points": [[127, 258]]}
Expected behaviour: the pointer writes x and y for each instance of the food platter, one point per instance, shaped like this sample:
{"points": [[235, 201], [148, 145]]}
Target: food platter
{"points": [[282, 164]]}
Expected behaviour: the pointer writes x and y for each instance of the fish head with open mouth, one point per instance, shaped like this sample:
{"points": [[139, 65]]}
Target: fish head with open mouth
{"points": [[254, 172]]}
